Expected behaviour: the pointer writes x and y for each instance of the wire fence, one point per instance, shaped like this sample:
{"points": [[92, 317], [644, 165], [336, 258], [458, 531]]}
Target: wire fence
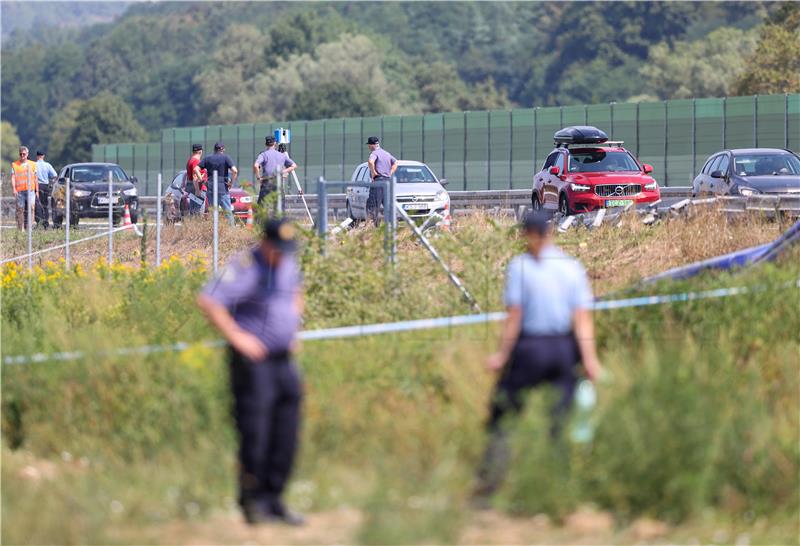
{"points": [[487, 150]]}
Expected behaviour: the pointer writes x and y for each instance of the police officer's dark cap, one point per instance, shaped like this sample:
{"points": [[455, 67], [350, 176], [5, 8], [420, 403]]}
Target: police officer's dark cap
{"points": [[536, 221], [269, 141], [197, 147], [39, 152], [373, 140], [219, 145], [281, 233]]}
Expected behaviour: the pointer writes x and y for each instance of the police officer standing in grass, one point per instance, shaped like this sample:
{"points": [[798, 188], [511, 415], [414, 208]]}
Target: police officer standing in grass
{"points": [[222, 163], [256, 304], [548, 330], [382, 166], [268, 167], [46, 175]]}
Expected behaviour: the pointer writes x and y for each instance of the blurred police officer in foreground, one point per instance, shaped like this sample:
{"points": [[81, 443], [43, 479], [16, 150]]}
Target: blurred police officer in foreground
{"points": [[256, 304], [382, 166], [548, 330], [269, 165]]}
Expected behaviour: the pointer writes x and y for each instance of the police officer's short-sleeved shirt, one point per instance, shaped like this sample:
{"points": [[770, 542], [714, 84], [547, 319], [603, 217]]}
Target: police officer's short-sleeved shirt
{"points": [[261, 298], [383, 162], [549, 289], [221, 163], [271, 160]]}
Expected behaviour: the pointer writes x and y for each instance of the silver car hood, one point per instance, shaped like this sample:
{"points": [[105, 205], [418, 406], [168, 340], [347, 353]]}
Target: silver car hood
{"points": [[417, 188]]}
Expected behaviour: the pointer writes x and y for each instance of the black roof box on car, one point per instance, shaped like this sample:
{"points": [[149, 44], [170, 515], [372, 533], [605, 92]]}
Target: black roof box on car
{"points": [[579, 134]]}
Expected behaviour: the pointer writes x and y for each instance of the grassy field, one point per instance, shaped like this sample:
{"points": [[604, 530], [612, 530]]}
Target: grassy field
{"points": [[696, 429]]}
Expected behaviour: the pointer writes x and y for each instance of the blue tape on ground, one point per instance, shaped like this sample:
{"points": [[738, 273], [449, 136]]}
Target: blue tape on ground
{"points": [[394, 327]]}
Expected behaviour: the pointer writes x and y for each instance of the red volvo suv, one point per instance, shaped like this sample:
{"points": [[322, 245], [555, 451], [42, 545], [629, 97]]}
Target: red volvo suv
{"points": [[586, 172]]}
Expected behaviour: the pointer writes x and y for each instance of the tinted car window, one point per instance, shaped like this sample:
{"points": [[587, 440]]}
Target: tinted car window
{"points": [[766, 164], [560, 162], [707, 166], [724, 164], [550, 161], [593, 161], [715, 164], [410, 174], [97, 173]]}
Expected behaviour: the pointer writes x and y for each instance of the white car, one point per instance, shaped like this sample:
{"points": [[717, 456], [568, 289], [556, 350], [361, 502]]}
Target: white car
{"points": [[418, 191]]}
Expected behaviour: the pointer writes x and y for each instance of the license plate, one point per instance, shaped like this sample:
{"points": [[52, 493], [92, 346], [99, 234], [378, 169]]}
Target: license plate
{"points": [[415, 206], [102, 200], [618, 202]]}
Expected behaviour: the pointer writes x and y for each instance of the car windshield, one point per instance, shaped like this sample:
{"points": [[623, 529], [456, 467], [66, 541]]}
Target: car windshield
{"points": [[766, 164], [97, 173], [601, 161], [408, 174]]}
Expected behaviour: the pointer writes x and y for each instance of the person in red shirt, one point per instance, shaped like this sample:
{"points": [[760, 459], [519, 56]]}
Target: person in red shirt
{"points": [[195, 181]]}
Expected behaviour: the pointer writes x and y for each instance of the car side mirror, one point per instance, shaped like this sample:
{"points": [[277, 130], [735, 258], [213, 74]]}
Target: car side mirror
{"points": [[647, 168], [717, 174], [443, 182], [62, 180], [134, 180], [554, 170]]}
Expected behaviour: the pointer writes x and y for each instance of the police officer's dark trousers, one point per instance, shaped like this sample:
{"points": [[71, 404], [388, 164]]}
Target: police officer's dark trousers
{"points": [[375, 200], [43, 205], [267, 397], [535, 360], [268, 185]]}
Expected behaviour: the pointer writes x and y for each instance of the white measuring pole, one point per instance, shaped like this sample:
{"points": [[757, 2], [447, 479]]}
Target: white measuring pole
{"points": [[158, 223], [66, 228], [110, 220], [216, 221]]}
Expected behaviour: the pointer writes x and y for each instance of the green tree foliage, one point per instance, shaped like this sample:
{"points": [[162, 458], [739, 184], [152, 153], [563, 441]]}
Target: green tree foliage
{"points": [[104, 118], [775, 65], [335, 100], [59, 129], [10, 144], [703, 68]]}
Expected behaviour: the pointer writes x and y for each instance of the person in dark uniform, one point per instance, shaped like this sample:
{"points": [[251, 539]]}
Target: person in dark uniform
{"points": [[256, 303], [270, 164], [382, 166], [548, 330]]}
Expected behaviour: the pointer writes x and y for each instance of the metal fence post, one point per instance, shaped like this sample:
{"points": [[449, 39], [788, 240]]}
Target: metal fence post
{"points": [[694, 138], [666, 140], [755, 121], [464, 164], [344, 146], [305, 156], [510, 149], [324, 135], [158, 222], [535, 134], [724, 121], [390, 215], [322, 212], [786, 120], [423, 138], [637, 130], [402, 154], [110, 219], [611, 117], [489, 151], [147, 169], [442, 140], [172, 167], [66, 219], [216, 220], [30, 212]]}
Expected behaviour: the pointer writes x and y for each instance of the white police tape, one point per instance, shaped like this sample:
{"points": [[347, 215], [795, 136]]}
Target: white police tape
{"points": [[52, 248], [393, 327]]}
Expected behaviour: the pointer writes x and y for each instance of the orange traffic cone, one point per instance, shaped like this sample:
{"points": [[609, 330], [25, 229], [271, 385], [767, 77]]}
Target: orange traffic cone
{"points": [[126, 219], [250, 218], [445, 225]]}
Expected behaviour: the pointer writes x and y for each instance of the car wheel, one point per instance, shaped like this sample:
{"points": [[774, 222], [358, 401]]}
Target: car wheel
{"points": [[350, 214], [535, 203], [563, 205]]}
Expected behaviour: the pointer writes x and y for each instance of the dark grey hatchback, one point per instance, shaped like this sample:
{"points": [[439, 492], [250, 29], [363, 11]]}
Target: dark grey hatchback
{"points": [[749, 171], [89, 193]]}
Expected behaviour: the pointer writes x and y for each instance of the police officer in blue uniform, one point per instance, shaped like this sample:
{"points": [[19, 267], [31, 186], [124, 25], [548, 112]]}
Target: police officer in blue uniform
{"points": [[548, 330], [256, 303], [270, 164]]}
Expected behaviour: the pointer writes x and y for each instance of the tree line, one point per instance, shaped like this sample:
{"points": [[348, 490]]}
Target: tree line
{"points": [[179, 64]]}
